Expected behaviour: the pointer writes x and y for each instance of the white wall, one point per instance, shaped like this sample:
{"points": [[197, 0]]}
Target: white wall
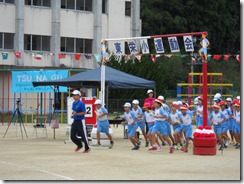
{"points": [[38, 21], [76, 24], [7, 18]]}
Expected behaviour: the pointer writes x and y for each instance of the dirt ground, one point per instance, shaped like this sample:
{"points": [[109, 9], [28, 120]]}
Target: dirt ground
{"points": [[50, 159]]}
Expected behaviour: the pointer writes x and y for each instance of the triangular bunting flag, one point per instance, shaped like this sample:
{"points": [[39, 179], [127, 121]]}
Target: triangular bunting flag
{"points": [[193, 59], [52, 54], [17, 55], [61, 56], [209, 57], [153, 57], [226, 57], [138, 57], [98, 57], [127, 57], [5, 55], [37, 56], [88, 56], [216, 57], [77, 57], [238, 58], [169, 55]]}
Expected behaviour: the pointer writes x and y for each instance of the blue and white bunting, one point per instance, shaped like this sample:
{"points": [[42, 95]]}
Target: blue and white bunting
{"points": [[159, 47], [132, 46], [173, 43], [144, 46]]}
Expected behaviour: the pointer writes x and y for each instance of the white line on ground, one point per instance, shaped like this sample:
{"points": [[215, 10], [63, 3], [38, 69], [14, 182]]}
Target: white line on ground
{"points": [[28, 167]]}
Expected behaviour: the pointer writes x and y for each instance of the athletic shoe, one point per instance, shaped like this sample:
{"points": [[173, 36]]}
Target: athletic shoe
{"points": [[159, 148], [87, 151], [227, 143], [136, 148], [163, 144], [78, 149], [138, 143], [237, 146], [221, 147], [225, 146], [171, 150], [184, 149], [175, 146], [147, 144], [152, 148], [98, 145], [179, 147], [111, 145]]}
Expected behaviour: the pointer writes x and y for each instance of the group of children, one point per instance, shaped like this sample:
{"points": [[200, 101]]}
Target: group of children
{"points": [[158, 117]]}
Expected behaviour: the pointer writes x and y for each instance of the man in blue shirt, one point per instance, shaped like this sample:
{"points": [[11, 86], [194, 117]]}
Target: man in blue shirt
{"points": [[79, 126]]}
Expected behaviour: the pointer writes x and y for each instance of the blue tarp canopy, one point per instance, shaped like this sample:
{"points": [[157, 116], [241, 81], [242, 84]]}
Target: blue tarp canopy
{"points": [[92, 79]]}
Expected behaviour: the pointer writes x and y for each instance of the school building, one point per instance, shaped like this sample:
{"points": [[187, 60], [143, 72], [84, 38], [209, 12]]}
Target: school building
{"points": [[49, 29]]}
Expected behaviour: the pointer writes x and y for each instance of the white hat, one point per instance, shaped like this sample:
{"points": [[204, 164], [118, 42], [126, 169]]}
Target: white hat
{"points": [[98, 102], [127, 104], [149, 91], [175, 102], [196, 101], [179, 102], [161, 97], [229, 99], [135, 102], [238, 97], [218, 95], [76, 92]]}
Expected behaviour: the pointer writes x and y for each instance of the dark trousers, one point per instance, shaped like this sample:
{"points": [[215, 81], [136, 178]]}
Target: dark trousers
{"points": [[79, 128], [146, 127]]}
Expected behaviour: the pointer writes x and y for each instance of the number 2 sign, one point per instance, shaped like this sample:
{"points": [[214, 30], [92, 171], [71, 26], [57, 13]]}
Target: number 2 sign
{"points": [[90, 108]]}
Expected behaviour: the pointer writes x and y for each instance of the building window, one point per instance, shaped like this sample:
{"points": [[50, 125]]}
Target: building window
{"points": [[127, 8], [76, 45], [83, 5], [104, 6], [45, 3], [37, 43], [7, 41], [7, 1]]}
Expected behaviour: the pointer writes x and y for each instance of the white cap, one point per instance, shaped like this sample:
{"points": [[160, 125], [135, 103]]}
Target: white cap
{"points": [[149, 91], [179, 102], [161, 97], [175, 102], [135, 102], [218, 95], [127, 104], [98, 102], [238, 98], [76, 92], [196, 101], [229, 99]]}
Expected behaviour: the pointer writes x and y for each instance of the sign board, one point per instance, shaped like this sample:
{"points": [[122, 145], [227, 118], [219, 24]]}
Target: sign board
{"points": [[22, 80]]}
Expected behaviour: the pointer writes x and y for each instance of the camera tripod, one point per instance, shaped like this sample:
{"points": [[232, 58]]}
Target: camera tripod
{"points": [[20, 121]]}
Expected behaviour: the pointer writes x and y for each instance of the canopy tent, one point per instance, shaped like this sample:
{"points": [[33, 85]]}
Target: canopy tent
{"points": [[92, 78]]}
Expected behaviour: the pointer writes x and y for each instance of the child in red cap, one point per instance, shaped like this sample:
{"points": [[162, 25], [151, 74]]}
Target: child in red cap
{"points": [[204, 43]]}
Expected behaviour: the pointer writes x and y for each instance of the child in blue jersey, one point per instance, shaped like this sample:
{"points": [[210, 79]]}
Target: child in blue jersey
{"points": [[174, 119], [199, 112], [237, 128], [186, 119], [138, 112], [217, 118], [159, 126], [130, 119], [167, 110], [231, 120], [102, 123], [227, 113], [204, 43]]}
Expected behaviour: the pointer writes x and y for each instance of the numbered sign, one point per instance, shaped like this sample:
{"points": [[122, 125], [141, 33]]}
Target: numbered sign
{"points": [[89, 110]]}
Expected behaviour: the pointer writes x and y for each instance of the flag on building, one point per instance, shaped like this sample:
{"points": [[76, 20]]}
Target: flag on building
{"points": [[238, 58], [88, 56], [216, 57], [153, 57], [188, 43], [61, 56], [226, 57], [159, 47], [144, 46], [77, 57], [37, 56], [17, 55], [5, 55]]}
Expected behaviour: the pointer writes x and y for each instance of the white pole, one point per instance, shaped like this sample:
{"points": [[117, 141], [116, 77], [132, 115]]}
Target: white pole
{"points": [[103, 50]]}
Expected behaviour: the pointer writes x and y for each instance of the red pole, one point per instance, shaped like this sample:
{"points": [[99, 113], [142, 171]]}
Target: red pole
{"points": [[205, 93], [189, 89]]}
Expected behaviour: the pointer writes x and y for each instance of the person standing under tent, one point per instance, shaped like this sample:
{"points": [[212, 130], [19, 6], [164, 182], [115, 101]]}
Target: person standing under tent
{"points": [[102, 123], [140, 123], [79, 126]]}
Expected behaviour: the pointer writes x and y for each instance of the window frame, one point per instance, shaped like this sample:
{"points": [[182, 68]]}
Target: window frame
{"points": [[37, 45], [75, 48], [2, 35], [126, 9], [42, 4], [75, 5]]}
